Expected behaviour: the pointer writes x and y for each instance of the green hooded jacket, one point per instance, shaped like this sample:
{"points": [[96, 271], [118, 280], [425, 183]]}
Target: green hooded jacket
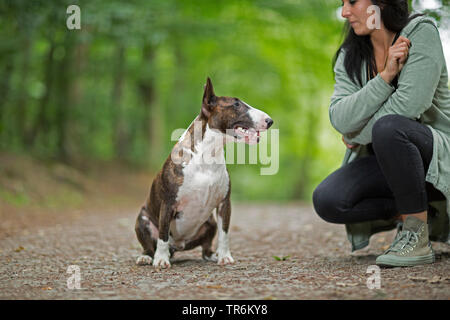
{"points": [[422, 95]]}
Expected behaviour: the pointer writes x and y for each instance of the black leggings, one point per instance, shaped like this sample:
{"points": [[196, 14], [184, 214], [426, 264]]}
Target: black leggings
{"points": [[388, 182]]}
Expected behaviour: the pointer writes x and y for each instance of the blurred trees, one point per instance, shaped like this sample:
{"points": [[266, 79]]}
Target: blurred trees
{"points": [[117, 88]]}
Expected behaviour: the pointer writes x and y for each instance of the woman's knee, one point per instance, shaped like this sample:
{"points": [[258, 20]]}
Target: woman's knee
{"points": [[326, 204]]}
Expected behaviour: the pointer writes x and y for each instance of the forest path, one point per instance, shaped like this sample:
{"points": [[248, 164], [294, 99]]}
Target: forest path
{"points": [[319, 264]]}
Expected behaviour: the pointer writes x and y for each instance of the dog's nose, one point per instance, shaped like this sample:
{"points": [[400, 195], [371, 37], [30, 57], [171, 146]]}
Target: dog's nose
{"points": [[269, 122]]}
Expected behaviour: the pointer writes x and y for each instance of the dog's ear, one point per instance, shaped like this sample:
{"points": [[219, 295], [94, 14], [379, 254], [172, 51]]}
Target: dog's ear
{"points": [[209, 98]]}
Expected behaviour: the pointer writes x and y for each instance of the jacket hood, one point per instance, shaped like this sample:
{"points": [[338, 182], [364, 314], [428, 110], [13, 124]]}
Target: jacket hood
{"points": [[414, 23]]}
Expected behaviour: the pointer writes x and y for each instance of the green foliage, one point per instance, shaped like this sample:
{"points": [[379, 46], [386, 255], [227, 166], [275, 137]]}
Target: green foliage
{"points": [[284, 258], [16, 199], [117, 88]]}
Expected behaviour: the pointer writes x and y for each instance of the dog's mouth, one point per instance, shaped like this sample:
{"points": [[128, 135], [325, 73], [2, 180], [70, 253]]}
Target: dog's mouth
{"points": [[249, 135]]}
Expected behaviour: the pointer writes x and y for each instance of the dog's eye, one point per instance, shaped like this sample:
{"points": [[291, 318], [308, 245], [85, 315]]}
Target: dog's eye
{"points": [[236, 104]]}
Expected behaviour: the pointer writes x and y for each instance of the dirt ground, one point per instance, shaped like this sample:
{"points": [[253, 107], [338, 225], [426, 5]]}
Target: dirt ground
{"points": [[317, 261]]}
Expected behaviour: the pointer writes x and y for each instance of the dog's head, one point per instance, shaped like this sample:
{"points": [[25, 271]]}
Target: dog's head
{"points": [[233, 117]]}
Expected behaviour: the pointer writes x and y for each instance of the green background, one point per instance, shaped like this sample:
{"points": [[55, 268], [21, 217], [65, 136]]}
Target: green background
{"points": [[115, 90]]}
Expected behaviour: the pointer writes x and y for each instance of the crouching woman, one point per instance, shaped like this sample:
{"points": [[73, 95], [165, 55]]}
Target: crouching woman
{"points": [[391, 103]]}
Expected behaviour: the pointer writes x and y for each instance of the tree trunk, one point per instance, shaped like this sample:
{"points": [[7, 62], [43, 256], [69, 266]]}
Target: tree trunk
{"points": [[76, 93], [303, 179], [4, 93], [21, 114], [41, 124], [63, 101], [119, 123], [153, 119]]}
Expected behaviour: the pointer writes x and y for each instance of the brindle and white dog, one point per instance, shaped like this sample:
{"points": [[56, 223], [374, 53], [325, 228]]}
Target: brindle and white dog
{"points": [[177, 215]]}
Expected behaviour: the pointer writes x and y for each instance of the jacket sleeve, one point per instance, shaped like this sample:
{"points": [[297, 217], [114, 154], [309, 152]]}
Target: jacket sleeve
{"points": [[417, 82], [352, 106]]}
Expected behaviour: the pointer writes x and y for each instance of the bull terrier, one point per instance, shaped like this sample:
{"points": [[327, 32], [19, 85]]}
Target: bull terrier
{"points": [[178, 213]]}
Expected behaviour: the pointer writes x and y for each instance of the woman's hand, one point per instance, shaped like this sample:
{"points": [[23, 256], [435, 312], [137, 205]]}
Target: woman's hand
{"points": [[350, 146], [397, 56]]}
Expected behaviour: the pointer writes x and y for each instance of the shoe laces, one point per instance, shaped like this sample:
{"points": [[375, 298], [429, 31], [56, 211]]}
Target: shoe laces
{"points": [[405, 238], [399, 229]]}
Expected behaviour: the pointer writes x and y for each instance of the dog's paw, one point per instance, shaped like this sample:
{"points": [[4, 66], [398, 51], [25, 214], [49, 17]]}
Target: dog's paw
{"points": [[162, 255], [224, 260], [143, 260], [161, 263], [213, 257]]}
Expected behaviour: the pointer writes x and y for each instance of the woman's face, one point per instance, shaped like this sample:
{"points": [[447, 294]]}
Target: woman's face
{"points": [[355, 11]]}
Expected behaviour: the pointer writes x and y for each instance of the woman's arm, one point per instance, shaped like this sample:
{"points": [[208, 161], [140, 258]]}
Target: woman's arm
{"points": [[416, 84], [352, 106]]}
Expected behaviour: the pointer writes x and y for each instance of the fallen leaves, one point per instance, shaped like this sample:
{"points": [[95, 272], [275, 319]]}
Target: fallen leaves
{"points": [[437, 279], [434, 279], [347, 284], [416, 278], [20, 248], [218, 286]]}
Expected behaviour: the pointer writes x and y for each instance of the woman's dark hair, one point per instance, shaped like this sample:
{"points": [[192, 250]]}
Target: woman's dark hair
{"points": [[395, 16]]}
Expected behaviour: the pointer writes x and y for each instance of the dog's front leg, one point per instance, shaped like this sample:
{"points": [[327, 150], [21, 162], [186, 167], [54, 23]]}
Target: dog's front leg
{"points": [[162, 254], [223, 220]]}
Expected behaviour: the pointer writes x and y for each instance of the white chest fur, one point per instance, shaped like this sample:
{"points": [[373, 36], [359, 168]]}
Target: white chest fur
{"points": [[205, 185]]}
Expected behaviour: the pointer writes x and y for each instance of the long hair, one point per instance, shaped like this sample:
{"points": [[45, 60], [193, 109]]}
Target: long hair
{"points": [[359, 50]]}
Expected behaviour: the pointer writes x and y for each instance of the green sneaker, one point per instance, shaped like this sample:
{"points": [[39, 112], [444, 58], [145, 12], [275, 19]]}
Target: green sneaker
{"points": [[411, 246]]}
